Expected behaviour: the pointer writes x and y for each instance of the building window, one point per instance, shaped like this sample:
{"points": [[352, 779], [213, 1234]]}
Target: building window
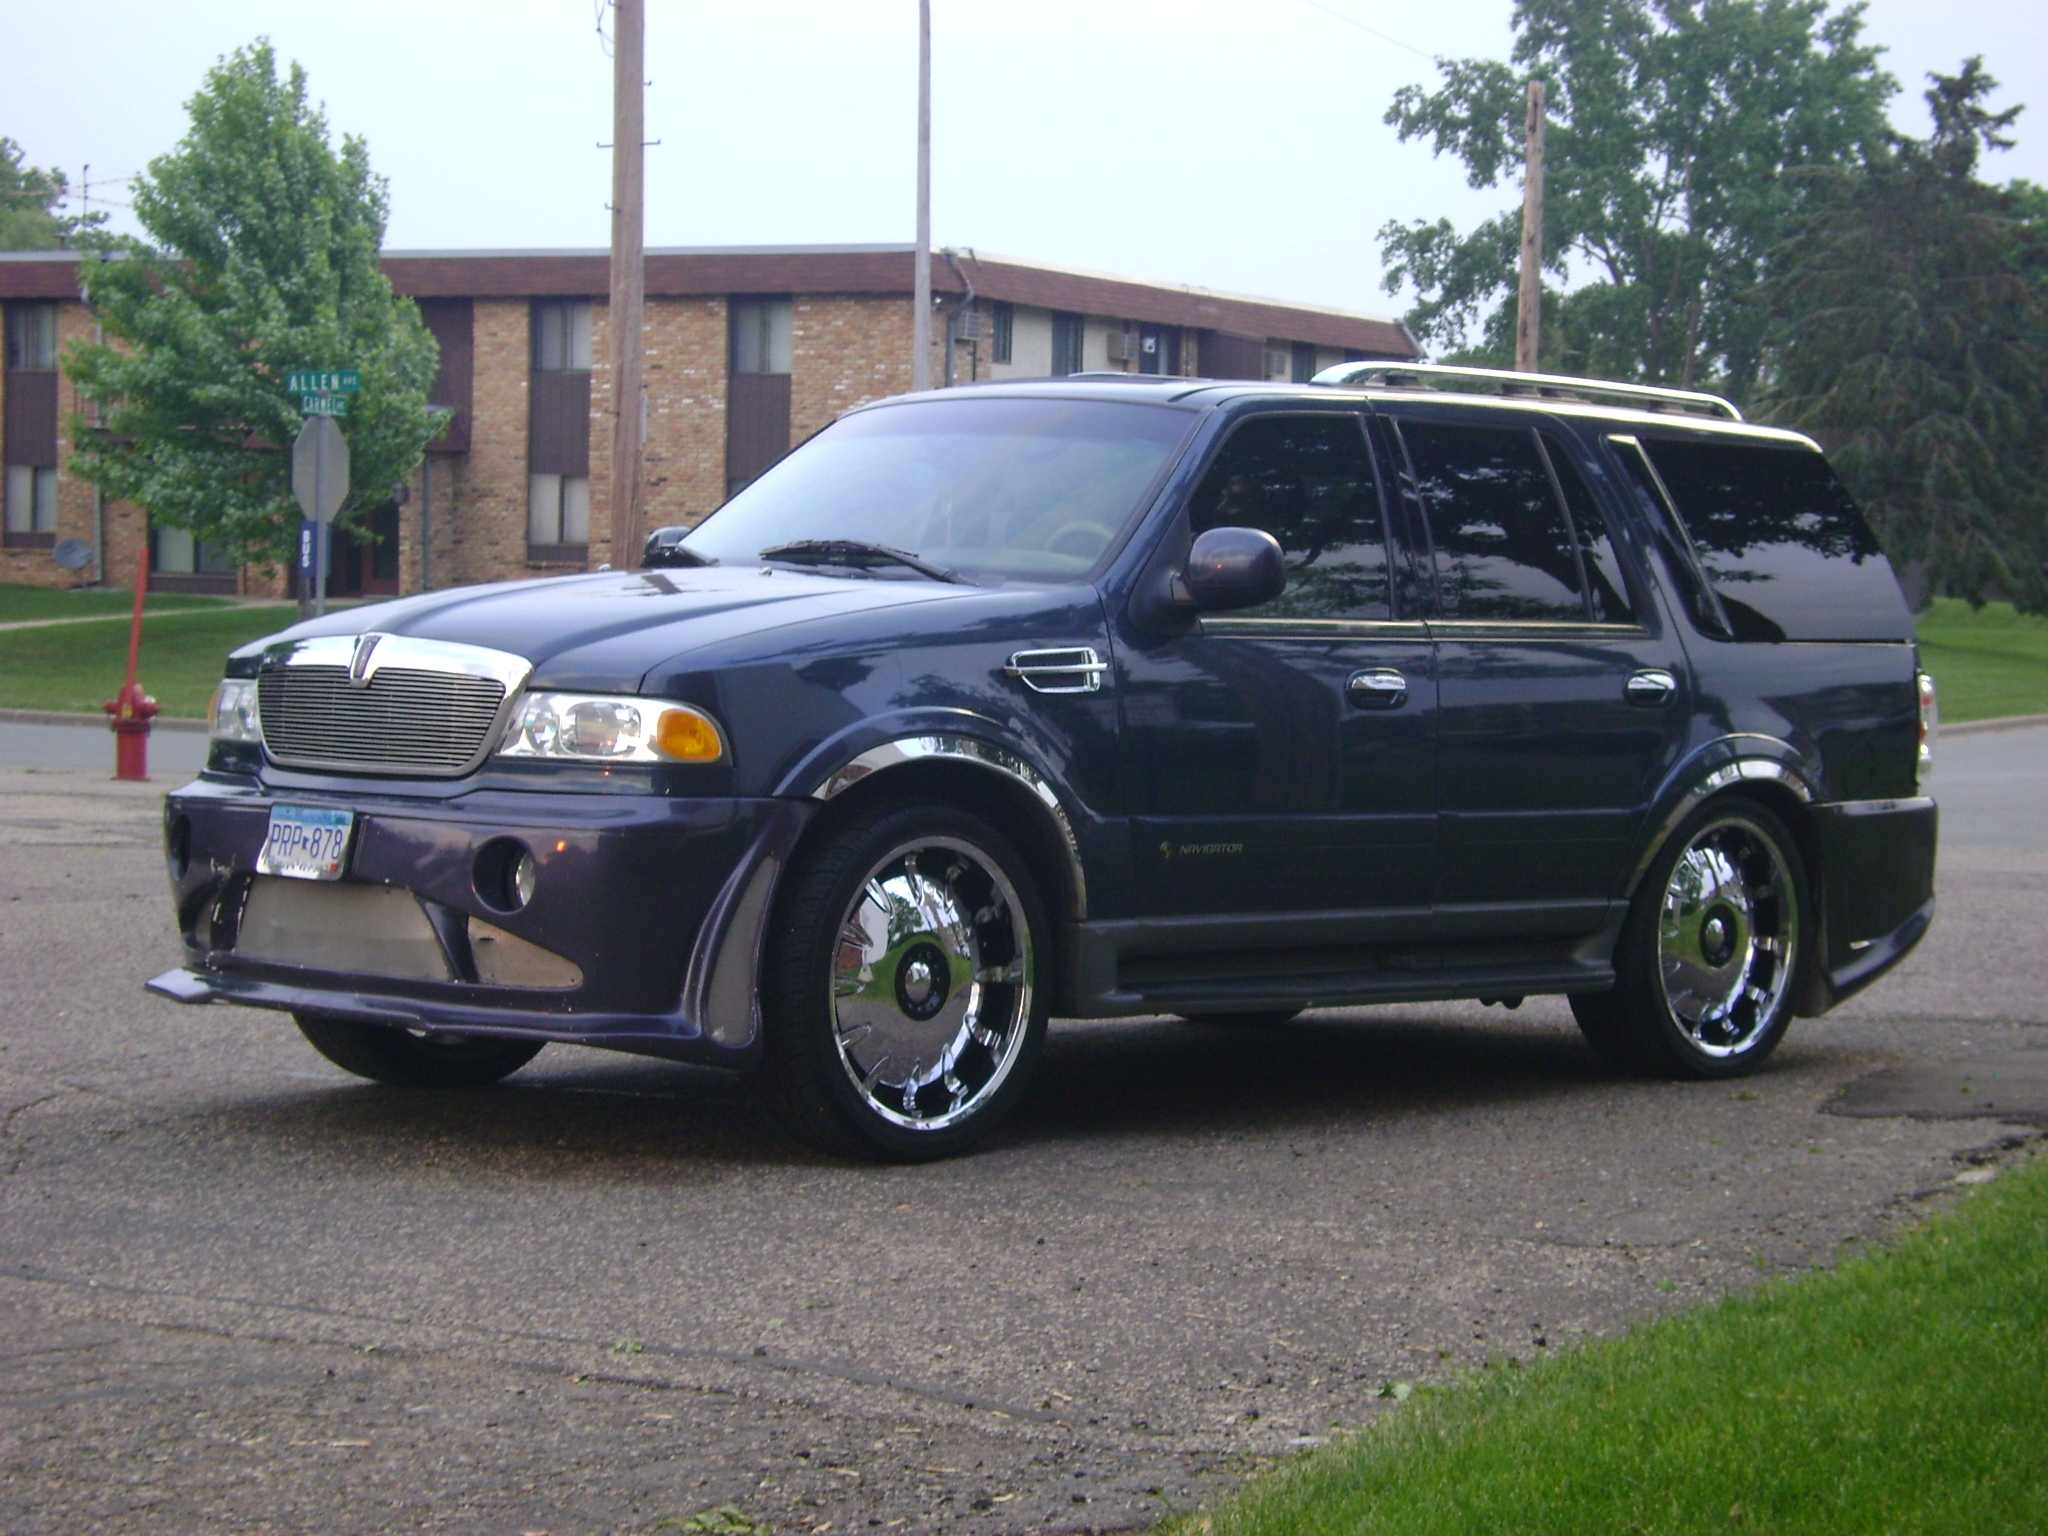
{"points": [[558, 433], [31, 425], [32, 336], [1005, 317], [1279, 362], [177, 554], [761, 335], [1067, 333], [557, 510], [757, 400], [31, 499], [561, 336]]}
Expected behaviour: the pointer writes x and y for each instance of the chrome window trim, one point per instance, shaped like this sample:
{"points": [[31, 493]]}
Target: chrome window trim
{"points": [[912, 749], [1508, 629], [363, 656], [1317, 629]]}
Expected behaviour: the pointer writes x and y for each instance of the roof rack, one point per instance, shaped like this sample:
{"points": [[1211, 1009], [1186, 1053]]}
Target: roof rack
{"points": [[1542, 386]]}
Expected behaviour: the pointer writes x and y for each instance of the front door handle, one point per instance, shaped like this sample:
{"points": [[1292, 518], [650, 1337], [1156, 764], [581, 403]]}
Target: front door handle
{"points": [[1651, 687], [1377, 688]]}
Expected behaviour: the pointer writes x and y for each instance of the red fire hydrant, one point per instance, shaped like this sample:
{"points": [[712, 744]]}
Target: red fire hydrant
{"points": [[131, 709]]}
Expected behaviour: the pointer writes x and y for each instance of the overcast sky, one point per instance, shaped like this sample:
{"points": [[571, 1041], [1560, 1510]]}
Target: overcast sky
{"points": [[1233, 144]]}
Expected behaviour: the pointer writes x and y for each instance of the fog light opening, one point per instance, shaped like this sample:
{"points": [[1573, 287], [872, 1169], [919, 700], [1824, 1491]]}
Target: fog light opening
{"points": [[178, 845], [506, 874]]}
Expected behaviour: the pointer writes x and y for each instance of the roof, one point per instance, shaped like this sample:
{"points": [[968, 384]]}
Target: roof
{"points": [[707, 271]]}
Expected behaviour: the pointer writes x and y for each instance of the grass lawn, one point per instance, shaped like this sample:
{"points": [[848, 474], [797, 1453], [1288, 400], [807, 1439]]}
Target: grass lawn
{"points": [[79, 666], [1985, 662], [1905, 1391], [18, 603]]}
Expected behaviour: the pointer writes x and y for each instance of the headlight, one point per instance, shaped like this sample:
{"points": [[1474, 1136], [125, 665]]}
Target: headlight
{"points": [[605, 728], [233, 716]]}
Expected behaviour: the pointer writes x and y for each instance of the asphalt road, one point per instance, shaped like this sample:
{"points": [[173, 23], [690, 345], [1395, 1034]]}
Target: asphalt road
{"points": [[241, 1291]]}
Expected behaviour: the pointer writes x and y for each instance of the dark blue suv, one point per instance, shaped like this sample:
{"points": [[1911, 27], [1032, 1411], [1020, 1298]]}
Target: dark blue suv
{"points": [[1093, 697]]}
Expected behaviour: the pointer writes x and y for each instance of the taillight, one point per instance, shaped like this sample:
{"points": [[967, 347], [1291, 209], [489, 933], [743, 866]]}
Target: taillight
{"points": [[1930, 725]]}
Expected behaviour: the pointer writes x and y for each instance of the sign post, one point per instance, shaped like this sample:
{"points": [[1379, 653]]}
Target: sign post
{"points": [[320, 482]]}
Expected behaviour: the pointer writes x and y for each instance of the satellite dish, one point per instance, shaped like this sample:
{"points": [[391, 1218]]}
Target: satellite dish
{"points": [[72, 554]]}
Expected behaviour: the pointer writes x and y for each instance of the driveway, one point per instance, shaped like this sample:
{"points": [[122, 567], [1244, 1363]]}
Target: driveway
{"points": [[240, 1290]]}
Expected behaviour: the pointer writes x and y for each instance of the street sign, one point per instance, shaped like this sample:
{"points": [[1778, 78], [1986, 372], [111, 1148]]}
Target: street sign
{"points": [[320, 468], [327, 381], [323, 405]]}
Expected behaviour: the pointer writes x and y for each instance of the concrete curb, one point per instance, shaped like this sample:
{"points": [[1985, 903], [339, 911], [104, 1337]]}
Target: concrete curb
{"points": [[1998, 723], [65, 717]]}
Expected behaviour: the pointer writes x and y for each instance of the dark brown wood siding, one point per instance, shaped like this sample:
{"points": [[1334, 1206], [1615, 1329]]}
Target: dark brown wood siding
{"points": [[756, 424], [453, 324], [558, 424], [32, 417], [1221, 355]]}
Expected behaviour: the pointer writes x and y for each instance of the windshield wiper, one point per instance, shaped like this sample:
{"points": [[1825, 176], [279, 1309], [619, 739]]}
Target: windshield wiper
{"points": [[857, 553]]}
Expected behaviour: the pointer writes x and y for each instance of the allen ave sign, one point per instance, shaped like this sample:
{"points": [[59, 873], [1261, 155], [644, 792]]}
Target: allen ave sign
{"points": [[324, 392]]}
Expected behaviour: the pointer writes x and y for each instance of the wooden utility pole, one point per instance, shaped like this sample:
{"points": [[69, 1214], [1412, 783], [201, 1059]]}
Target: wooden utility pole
{"points": [[629, 274], [1529, 306], [921, 279]]}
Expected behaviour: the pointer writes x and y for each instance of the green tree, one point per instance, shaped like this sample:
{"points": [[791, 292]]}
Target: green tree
{"points": [[29, 200], [1913, 307], [1674, 128], [262, 258]]}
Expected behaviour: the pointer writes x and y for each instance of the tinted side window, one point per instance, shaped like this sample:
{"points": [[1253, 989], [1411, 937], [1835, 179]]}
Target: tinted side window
{"points": [[1308, 481], [1504, 549], [1606, 589], [1785, 547]]}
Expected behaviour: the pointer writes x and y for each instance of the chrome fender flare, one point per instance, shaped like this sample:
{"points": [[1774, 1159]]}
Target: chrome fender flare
{"points": [[1748, 766], [982, 754]]}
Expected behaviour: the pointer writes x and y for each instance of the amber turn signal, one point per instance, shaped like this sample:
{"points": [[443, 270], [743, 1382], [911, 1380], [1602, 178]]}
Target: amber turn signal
{"points": [[688, 737]]}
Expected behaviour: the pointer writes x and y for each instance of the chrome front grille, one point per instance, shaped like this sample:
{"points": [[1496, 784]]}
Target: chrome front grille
{"points": [[383, 704]]}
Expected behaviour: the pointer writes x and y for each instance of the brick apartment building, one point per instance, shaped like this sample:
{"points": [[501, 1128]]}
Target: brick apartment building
{"points": [[748, 352]]}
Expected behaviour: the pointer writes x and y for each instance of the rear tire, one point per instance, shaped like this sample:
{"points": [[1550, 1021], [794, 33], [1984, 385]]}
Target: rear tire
{"points": [[1705, 967], [408, 1059], [902, 994]]}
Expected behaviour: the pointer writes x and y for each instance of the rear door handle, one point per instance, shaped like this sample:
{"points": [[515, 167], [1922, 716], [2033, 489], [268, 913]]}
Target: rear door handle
{"points": [[1377, 688], [1650, 687]]}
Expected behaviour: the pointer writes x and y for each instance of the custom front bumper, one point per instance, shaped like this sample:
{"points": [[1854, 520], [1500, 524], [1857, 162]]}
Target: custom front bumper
{"points": [[642, 933]]}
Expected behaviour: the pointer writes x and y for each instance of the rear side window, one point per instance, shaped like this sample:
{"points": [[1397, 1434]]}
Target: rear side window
{"points": [[1606, 588], [1308, 481], [1784, 546], [1504, 547]]}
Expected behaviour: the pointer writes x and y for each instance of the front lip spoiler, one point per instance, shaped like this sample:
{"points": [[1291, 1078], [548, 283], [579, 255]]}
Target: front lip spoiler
{"points": [[617, 1032]]}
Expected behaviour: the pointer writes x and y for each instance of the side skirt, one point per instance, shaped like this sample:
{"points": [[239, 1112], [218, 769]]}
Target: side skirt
{"points": [[1325, 960]]}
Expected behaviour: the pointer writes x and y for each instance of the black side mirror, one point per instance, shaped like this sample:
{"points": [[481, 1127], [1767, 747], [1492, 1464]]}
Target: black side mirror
{"points": [[1234, 568], [665, 548]]}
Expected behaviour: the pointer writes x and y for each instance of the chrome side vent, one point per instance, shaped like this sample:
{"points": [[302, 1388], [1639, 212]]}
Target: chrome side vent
{"points": [[1077, 669]]}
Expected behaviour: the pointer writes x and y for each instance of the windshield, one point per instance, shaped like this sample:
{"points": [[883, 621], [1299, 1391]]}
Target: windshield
{"points": [[994, 489]]}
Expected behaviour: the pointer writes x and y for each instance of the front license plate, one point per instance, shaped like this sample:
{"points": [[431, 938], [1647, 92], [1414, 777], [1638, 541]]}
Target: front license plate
{"points": [[306, 842]]}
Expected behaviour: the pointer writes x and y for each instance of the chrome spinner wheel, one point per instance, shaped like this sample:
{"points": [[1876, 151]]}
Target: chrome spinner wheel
{"points": [[1728, 935], [932, 984]]}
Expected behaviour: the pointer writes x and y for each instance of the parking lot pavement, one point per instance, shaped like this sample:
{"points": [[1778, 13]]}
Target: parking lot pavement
{"points": [[239, 1290]]}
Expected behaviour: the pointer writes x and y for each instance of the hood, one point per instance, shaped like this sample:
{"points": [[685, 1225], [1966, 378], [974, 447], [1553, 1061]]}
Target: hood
{"points": [[605, 631]]}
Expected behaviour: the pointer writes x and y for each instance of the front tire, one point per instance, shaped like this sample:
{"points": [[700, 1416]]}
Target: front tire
{"points": [[901, 994], [407, 1058], [1705, 967]]}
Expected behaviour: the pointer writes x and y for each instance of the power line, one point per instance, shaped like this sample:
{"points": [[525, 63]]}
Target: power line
{"points": [[1352, 21]]}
